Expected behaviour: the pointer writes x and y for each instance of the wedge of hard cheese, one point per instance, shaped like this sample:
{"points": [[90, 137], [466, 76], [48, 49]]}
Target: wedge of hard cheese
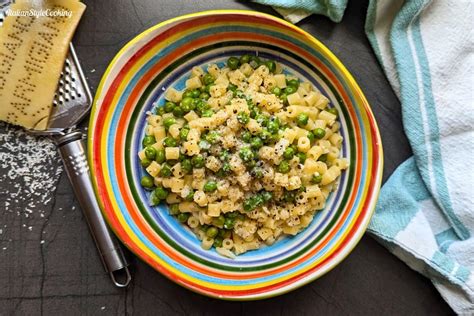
{"points": [[32, 54]]}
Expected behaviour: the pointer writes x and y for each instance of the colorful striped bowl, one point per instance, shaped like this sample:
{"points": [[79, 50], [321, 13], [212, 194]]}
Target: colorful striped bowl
{"points": [[162, 57]]}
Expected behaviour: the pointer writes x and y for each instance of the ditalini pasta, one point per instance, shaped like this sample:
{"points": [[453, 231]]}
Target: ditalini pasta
{"points": [[244, 155]]}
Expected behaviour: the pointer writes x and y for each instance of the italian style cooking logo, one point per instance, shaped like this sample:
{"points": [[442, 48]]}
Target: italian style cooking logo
{"points": [[6, 10]]}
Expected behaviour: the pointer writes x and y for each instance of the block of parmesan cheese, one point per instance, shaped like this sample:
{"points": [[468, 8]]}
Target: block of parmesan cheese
{"points": [[32, 54]]}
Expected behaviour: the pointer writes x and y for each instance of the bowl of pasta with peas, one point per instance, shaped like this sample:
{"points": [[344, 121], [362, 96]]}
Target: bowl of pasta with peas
{"points": [[234, 153]]}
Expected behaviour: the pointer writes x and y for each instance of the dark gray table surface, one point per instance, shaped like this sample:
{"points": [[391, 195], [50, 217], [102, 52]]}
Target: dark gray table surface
{"points": [[63, 275]]}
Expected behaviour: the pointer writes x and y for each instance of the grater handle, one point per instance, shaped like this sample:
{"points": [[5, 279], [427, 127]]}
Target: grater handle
{"points": [[74, 158]]}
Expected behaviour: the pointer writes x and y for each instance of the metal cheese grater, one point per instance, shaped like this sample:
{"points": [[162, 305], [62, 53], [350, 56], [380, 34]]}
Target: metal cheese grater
{"points": [[71, 104]]}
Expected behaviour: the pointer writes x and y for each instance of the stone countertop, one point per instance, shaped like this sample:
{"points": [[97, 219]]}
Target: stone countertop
{"points": [[49, 264]]}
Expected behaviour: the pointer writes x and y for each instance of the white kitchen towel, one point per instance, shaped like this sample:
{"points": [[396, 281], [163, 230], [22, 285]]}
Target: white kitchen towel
{"points": [[425, 212]]}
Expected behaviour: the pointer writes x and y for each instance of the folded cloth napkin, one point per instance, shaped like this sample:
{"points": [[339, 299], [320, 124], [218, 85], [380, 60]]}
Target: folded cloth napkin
{"points": [[425, 212], [296, 10]]}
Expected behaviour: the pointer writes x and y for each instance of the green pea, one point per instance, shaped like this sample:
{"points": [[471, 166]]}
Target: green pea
{"points": [[154, 200], [178, 111], [187, 102], [195, 93], [198, 161], [148, 140], [207, 88], [170, 142], [184, 108], [167, 122], [323, 158], [165, 171], [246, 154], [284, 98], [187, 94], [212, 137], [273, 126], [147, 182], [210, 186], [183, 134], [229, 223], [271, 65], [226, 167], [319, 133], [204, 145], [290, 90], [212, 232], [186, 165], [316, 178], [194, 104], [283, 167], [204, 96], [150, 152], [231, 215], [201, 106], [218, 242], [169, 106], [262, 119], [246, 136], [207, 79], [256, 143], [243, 118], [302, 157], [174, 209], [183, 217], [160, 156], [145, 162], [161, 193], [240, 94], [220, 173], [233, 63], [253, 113], [160, 110], [224, 155], [225, 233], [288, 153], [218, 221], [276, 91], [245, 58], [302, 119], [252, 203], [293, 83], [190, 196], [289, 196], [257, 172], [207, 113], [266, 196], [255, 62], [248, 205], [274, 138], [310, 136], [250, 164], [265, 136], [333, 111]]}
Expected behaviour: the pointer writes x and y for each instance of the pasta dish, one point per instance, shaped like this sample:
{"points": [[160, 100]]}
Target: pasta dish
{"points": [[244, 155]]}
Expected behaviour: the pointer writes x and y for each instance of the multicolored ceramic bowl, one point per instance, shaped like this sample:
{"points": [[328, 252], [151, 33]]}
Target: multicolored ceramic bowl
{"points": [[163, 56]]}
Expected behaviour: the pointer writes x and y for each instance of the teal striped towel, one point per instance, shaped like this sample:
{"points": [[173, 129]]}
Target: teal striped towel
{"points": [[425, 212]]}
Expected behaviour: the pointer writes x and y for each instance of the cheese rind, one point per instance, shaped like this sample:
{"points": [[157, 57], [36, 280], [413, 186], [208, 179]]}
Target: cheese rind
{"points": [[32, 55]]}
